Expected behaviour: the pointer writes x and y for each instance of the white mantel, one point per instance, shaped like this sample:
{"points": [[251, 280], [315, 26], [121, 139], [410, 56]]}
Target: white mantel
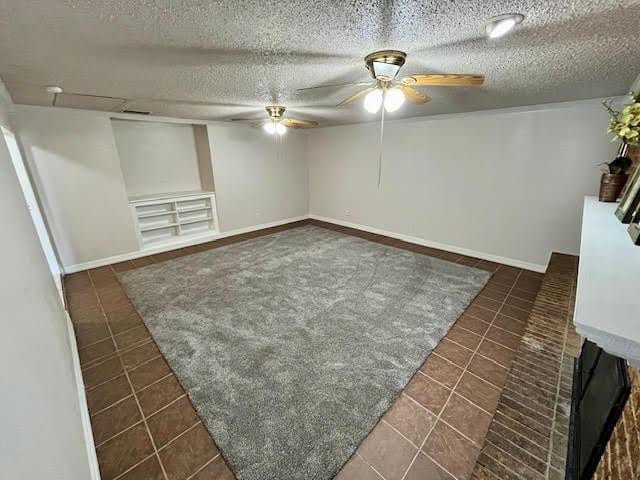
{"points": [[608, 296]]}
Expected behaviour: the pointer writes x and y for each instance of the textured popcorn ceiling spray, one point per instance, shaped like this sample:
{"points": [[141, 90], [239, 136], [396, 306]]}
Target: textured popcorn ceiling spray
{"points": [[236, 54]]}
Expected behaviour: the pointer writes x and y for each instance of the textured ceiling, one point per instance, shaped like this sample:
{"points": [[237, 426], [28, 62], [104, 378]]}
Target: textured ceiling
{"points": [[170, 56]]}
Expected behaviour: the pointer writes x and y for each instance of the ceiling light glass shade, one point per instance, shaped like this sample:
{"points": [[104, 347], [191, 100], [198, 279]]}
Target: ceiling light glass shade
{"points": [[280, 129], [503, 24], [373, 101], [385, 71], [270, 128], [393, 100]]}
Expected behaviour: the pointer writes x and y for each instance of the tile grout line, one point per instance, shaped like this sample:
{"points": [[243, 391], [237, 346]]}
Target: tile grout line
{"points": [[109, 337], [203, 467], [454, 387], [153, 444], [143, 418], [101, 360], [123, 399]]}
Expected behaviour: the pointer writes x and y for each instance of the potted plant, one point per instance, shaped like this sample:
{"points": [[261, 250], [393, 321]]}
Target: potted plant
{"points": [[625, 125], [614, 177]]}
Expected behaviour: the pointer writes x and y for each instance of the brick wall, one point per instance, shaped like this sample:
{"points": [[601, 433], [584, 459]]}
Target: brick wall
{"points": [[621, 459]]}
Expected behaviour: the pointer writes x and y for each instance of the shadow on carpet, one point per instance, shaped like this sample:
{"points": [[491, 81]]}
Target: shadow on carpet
{"points": [[291, 346]]}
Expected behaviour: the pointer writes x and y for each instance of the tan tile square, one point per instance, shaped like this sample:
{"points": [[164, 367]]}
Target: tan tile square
{"points": [[488, 370], [479, 392], [135, 356], [451, 450], [108, 393], [102, 372], [453, 352], [123, 319], [424, 468], [115, 419], [514, 312], [171, 421], [97, 350], [387, 451], [464, 337], [216, 470], [357, 469], [441, 370], [467, 418], [148, 470], [503, 337], [480, 312], [473, 324], [427, 393], [188, 453], [132, 337], [124, 451], [410, 419], [511, 324], [148, 373], [496, 352], [156, 396]]}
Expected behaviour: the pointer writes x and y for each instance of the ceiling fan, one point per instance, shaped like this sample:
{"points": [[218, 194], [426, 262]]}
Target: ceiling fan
{"points": [[384, 66], [276, 124]]}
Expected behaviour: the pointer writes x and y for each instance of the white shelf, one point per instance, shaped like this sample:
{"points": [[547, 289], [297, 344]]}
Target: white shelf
{"points": [[607, 308], [149, 228], [178, 225], [168, 196], [156, 214]]}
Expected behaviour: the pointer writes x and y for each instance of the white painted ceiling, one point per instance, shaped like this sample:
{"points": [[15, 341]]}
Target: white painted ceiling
{"points": [[173, 56]]}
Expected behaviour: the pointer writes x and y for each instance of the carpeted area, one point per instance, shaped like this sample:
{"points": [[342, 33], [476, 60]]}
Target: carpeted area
{"points": [[291, 346]]}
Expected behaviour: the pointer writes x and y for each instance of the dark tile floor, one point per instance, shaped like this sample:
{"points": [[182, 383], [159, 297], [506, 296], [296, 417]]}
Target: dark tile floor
{"points": [[146, 428]]}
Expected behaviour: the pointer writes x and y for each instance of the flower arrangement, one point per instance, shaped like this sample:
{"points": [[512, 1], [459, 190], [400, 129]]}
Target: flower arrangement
{"points": [[625, 125]]}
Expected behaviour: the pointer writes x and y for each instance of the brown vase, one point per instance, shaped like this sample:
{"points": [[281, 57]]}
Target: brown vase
{"points": [[611, 184]]}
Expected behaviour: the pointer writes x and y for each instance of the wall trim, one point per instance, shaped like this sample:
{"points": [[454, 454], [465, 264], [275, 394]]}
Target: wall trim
{"points": [[85, 419], [78, 267], [441, 246]]}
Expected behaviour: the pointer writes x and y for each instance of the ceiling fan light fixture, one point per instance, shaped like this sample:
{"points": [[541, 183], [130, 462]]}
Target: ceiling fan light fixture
{"points": [[373, 101], [385, 71], [270, 128], [393, 99], [502, 24], [280, 129]]}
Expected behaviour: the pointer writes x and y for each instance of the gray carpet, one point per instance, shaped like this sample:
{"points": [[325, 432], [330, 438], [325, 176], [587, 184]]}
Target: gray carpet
{"points": [[291, 346]]}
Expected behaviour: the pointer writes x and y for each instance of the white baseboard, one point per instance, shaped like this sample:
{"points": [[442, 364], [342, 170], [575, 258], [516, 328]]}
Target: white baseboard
{"points": [[441, 246], [82, 403], [187, 242]]}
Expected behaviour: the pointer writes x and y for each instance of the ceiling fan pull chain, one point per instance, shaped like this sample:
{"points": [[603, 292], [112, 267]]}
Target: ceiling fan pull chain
{"points": [[381, 145]]}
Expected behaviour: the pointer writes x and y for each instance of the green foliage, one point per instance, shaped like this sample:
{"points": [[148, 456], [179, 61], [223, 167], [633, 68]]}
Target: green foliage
{"points": [[619, 165], [625, 125]]}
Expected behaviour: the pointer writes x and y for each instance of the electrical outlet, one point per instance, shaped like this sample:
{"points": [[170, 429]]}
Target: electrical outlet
{"points": [[258, 214], [347, 212]]}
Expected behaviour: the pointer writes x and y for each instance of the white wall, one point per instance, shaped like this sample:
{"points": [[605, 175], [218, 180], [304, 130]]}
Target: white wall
{"points": [[41, 434], [72, 155], [258, 179], [157, 157], [77, 173], [507, 183]]}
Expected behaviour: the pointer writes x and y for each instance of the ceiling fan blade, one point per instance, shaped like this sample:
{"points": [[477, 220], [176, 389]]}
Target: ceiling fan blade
{"points": [[437, 79], [413, 95], [297, 123], [335, 85], [355, 97]]}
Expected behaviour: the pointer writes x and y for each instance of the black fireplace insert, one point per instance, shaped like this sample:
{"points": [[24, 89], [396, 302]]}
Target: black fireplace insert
{"points": [[601, 388]]}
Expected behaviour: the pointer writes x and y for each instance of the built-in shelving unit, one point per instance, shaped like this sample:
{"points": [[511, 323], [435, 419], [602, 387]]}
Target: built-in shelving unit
{"points": [[163, 219]]}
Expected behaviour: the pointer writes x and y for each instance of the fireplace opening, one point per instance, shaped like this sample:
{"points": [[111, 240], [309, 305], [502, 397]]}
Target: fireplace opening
{"points": [[601, 388]]}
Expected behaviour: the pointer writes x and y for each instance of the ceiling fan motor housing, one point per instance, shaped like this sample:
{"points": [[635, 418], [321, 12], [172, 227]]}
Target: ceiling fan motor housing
{"points": [[275, 111], [385, 64]]}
